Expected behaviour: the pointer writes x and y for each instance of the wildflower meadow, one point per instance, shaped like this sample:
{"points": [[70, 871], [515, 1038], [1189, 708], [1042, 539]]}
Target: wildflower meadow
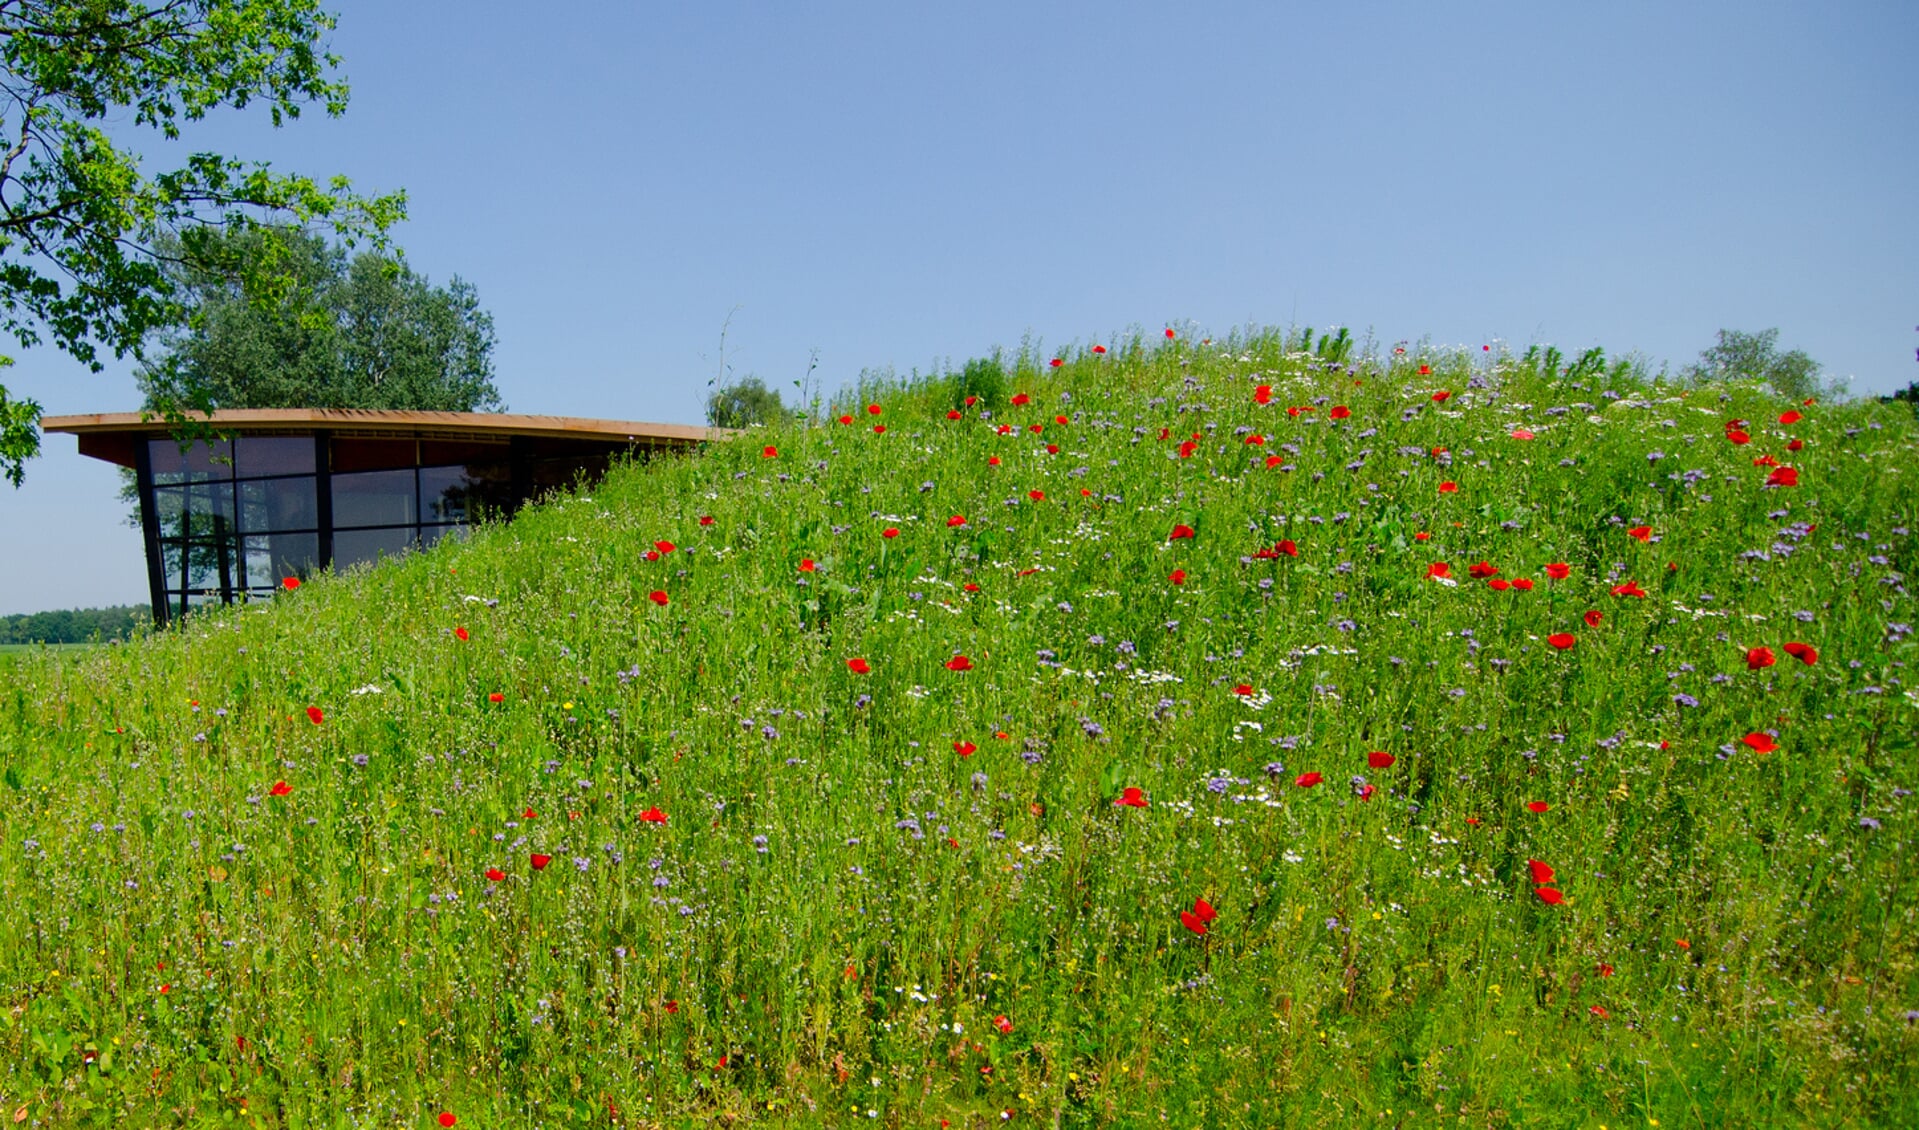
{"points": [[1260, 731]]}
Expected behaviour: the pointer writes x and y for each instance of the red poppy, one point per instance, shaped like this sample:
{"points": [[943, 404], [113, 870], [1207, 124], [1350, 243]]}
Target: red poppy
{"points": [[1203, 910], [1422, 536], [280, 788], [315, 715], [955, 520], [653, 816], [1308, 780], [1340, 412], [1482, 569], [770, 452], [1599, 1010], [1592, 617], [658, 597], [1132, 797], [1766, 461], [1439, 569], [879, 429], [847, 418], [1036, 495], [496, 696], [1524, 584], [1783, 477], [1187, 448], [1003, 1024], [290, 583], [1643, 533], [1256, 439], [1180, 532], [1790, 417], [540, 861], [1441, 396], [1274, 461], [1498, 585], [959, 663], [970, 587], [1099, 349], [1053, 449], [651, 555], [529, 814], [459, 633], [1021, 398], [1759, 743], [1559, 570], [1561, 640], [1603, 969], [964, 749], [859, 666], [663, 546], [1449, 487], [1541, 873], [706, 519], [1537, 806], [1630, 588], [1737, 436], [890, 532], [1243, 689], [1178, 577], [1288, 547], [1521, 433], [806, 565], [1425, 370], [1169, 334], [1803, 652], [1549, 896], [1760, 657], [495, 875], [1263, 394], [1192, 922], [872, 409], [673, 1006], [447, 1118], [952, 413], [1795, 445], [1380, 759]]}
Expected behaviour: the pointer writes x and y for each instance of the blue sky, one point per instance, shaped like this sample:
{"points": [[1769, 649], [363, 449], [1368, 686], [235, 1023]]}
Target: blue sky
{"points": [[907, 185]]}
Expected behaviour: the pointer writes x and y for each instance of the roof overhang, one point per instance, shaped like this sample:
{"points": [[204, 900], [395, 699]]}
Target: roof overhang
{"points": [[112, 436]]}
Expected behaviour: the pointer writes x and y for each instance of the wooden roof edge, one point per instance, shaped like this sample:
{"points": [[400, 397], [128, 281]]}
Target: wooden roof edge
{"points": [[244, 419]]}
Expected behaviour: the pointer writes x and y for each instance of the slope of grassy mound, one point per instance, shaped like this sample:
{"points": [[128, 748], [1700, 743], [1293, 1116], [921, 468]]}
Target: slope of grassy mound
{"points": [[1223, 733]]}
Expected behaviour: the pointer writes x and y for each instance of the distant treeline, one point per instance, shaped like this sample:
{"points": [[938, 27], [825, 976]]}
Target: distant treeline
{"points": [[74, 625]]}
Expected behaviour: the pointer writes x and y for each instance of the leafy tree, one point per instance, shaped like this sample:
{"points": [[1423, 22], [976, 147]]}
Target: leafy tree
{"points": [[746, 401], [75, 625], [359, 332], [1748, 356], [82, 225]]}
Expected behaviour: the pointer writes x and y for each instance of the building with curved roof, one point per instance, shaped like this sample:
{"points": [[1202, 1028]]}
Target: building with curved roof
{"points": [[275, 494]]}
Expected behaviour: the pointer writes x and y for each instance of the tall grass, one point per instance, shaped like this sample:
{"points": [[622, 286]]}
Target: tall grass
{"points": [[907, 897]]}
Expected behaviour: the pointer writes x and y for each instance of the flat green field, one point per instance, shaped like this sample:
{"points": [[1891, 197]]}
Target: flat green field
{"points": [[1234, 734]]}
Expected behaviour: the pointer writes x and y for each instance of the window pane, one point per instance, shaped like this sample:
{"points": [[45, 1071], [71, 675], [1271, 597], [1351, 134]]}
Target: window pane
{"points": [[171, 465], [279, 504], [199, 509], [353, 547], [430, 535], [463, 494], [272, 558], [274, 455], [374, 498]]}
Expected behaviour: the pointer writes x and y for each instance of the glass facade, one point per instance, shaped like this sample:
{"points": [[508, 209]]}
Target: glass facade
{"points": [[231, 520]]}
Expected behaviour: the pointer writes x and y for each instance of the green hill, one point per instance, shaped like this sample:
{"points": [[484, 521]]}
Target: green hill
{"points": [[1225, 733]]}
